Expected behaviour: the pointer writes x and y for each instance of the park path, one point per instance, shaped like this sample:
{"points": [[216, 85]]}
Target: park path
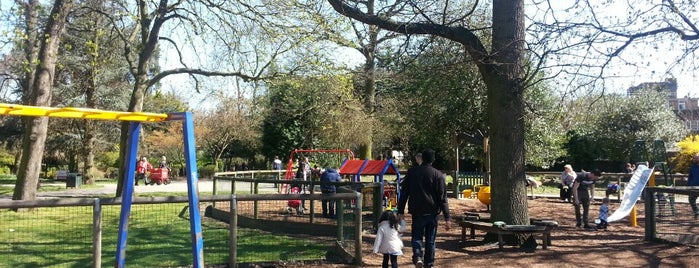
{"points": [[178, 186]]}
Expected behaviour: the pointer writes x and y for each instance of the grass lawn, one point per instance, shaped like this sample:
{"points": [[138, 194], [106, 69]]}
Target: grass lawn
{"points": [[158, 237]]}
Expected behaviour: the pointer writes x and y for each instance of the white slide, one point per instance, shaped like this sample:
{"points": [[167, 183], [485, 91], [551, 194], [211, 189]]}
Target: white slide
{"points": [[632, 192]]}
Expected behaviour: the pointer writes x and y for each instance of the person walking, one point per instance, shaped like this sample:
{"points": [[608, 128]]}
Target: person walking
{"points": [[329, 176], [583, 192], [693, 180], [425, 192], [388, 241], [141, 168]]}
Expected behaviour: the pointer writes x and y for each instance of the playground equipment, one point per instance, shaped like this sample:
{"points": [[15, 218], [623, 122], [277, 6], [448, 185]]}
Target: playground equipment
{"points": [[484, 195], [657, 158], [290, 174], [135, 119], [377, 168], [632, 192]]}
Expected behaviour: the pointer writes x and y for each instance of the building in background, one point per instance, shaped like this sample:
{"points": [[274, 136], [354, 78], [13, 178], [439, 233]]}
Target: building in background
{"points": [[686, 108]]}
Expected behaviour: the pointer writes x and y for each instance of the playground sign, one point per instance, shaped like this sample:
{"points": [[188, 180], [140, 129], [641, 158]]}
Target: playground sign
{"points": [[632, 192]]}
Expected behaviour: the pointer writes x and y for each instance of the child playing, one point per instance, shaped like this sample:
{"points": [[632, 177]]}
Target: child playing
{"points": [[388, 241], [603, 213]]}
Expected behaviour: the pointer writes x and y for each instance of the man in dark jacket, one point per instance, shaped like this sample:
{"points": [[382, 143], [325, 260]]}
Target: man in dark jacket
{"points": [[693, 180], [425, 191], [330, 175], [583, 191]]}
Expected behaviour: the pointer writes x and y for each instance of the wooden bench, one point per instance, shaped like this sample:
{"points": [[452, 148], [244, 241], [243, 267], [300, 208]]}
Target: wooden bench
{"points": [[548, 223], [506, 230]]}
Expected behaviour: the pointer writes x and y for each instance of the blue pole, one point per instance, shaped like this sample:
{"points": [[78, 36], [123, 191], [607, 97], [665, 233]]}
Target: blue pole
{"points": [[126, 197], [192, 190]]}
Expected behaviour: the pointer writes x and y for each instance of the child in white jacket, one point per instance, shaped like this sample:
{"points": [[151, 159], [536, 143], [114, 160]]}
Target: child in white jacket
{"points": [[388, 240]]}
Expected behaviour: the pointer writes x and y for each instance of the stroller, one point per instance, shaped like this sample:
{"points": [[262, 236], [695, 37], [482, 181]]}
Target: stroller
{"points": [[294, 204]]}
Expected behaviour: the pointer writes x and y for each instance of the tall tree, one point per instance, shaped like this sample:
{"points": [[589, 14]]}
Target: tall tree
{"points": [[224, 25], [457, 117], [40, 95], [311, 112], [92, 76], [230, 123], [501, 65], [609, 129]]}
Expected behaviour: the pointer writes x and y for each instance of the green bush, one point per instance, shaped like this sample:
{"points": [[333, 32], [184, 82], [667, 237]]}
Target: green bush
{"points": [[207, 171], [6, 159], [51, 173], [5, 170], [107, 160]]}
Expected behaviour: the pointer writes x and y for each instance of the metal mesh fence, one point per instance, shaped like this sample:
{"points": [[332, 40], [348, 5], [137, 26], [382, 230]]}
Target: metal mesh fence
{"points": [[46, 237], [60, 233], [280, 231], [669, 216]]}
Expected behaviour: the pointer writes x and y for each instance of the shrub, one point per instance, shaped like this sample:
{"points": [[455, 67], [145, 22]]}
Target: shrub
{"points": [[207, 171], [688, 148], [108, 159]]}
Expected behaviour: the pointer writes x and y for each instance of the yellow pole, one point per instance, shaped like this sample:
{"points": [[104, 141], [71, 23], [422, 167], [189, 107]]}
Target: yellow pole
{"points": [[632, 218]]}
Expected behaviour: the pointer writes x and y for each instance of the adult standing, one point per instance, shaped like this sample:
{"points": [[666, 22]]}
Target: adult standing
{"points": [[583, 192], [277, 166], [418, 158], [301, 176], [693, 180], [326, 188], [306, 169], [425, 192], [567, 179], [277, 163], [141, 168]]}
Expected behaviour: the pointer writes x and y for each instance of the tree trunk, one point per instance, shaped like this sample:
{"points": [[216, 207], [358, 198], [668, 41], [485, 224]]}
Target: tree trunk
{"points": [[90, 89], [502, 71], [365, 149], [504, 77], [88, 151], [34, 137], [369, 51], [31, 53], [136, 105], [31, 50], [149, 35]]}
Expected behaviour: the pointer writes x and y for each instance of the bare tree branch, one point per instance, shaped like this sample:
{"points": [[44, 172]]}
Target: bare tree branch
{"points": [[459, 34]]}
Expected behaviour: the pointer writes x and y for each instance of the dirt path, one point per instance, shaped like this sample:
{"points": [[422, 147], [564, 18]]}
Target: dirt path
{"points": [[620, 246]]}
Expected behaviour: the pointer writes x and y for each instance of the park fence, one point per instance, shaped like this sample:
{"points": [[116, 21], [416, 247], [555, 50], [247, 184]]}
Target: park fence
{"points": [[668, 215], [82, 232]]}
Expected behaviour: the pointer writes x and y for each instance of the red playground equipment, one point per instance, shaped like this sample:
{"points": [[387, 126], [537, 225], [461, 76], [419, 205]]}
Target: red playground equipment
{"points": [[377, 168], [290, 174], [159, 176]]}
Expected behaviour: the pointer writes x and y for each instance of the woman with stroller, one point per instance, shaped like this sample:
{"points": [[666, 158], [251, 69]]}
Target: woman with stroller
{"points": [[141, 168]]}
